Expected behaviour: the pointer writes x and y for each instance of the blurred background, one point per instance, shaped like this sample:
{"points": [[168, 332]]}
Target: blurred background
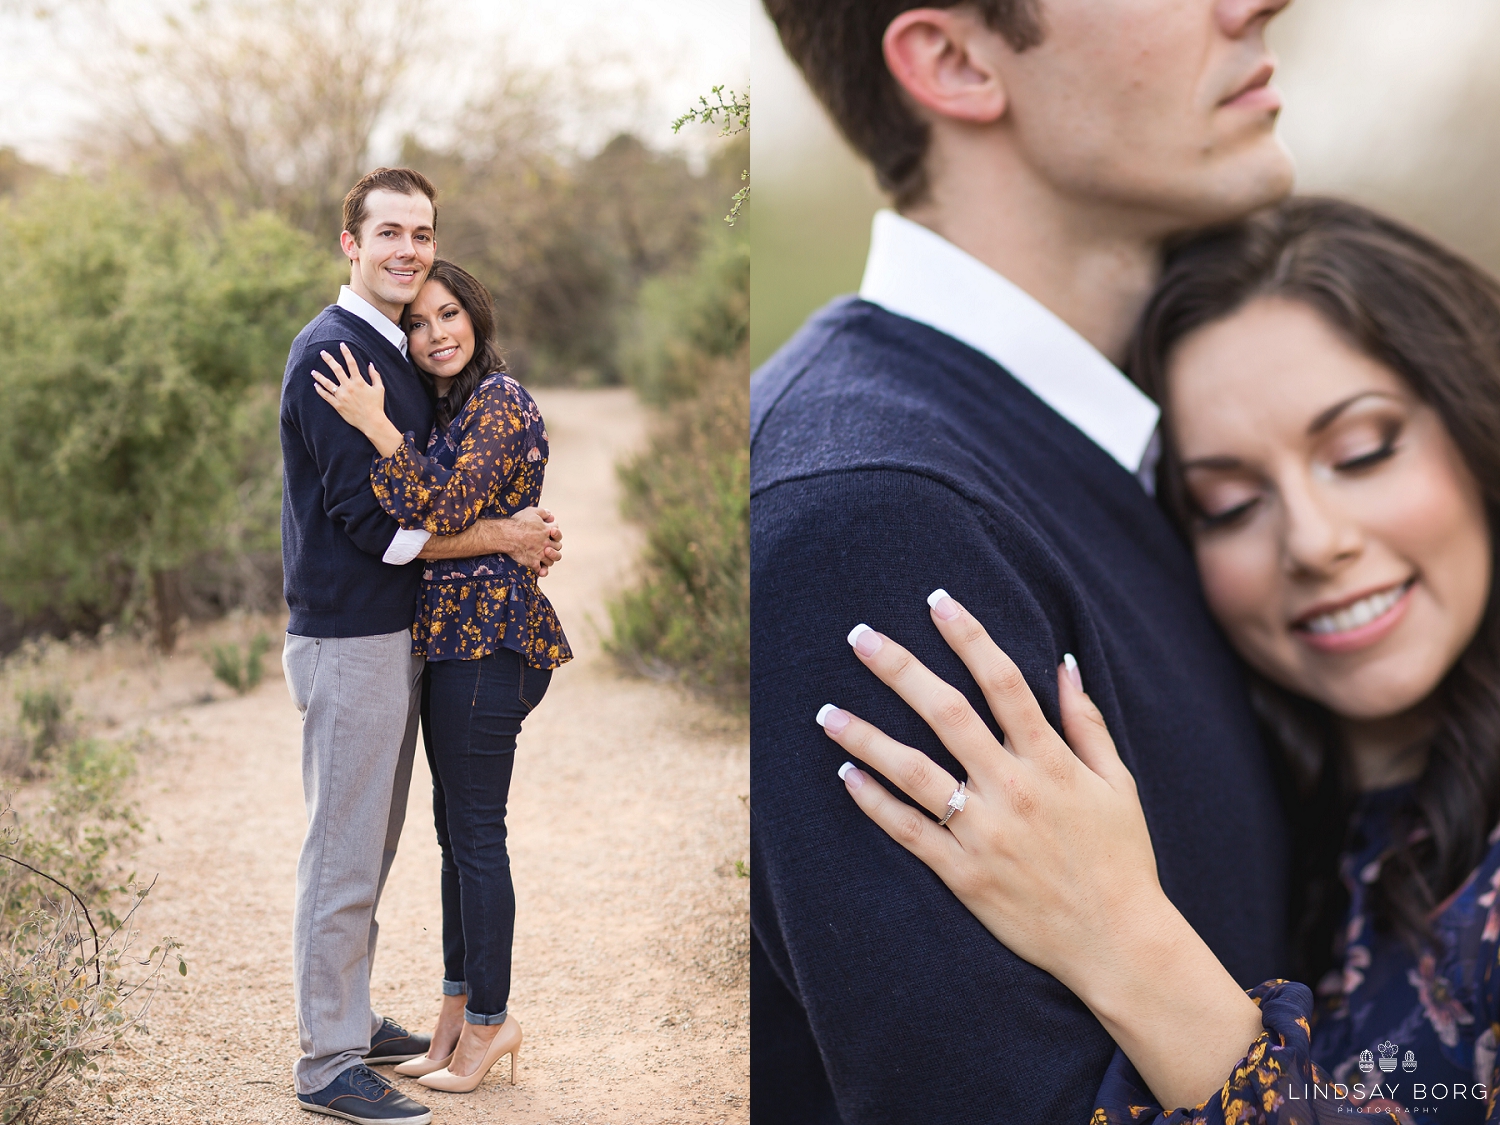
{"points": [[171, 174], [1387, 102]]}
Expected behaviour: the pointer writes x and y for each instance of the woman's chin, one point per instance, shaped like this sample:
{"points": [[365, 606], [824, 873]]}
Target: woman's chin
{"points": [[1372, 698]]}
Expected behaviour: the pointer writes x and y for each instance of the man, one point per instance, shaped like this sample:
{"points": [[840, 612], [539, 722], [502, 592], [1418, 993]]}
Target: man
{"points": [[963, 424], [351, 583]]}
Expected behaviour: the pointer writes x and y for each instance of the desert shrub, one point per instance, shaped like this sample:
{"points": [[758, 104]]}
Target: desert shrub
{"points": [[689, 616], [44, 725], [240, 671], [77, 833], [141, 349], [686, 322], [39, 725], [71, 986]]}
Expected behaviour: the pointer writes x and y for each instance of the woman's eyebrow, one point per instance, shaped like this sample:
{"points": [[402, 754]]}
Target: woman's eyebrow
{"points": [[1221, 462], [1327, 417]]}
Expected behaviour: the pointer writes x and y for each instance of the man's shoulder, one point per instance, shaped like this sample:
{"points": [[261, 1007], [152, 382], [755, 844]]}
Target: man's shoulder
{"points": [[861, 388], [334, 326], [848, 346]]}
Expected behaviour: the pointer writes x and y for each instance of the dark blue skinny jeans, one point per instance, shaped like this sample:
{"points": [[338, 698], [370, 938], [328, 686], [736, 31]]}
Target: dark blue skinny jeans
{"points": [[472, 711]]}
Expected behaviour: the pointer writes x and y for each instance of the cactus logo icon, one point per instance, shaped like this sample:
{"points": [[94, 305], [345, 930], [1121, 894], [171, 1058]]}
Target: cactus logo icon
{"points": [[1388, 1052], [1409, 1063], [1366, 1061]]}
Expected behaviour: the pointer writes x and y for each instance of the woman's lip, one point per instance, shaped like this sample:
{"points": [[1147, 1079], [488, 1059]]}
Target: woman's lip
{"points": [[1258, 93], [1333, 605], [1364, 635], [442, 355], [1260, 98]]}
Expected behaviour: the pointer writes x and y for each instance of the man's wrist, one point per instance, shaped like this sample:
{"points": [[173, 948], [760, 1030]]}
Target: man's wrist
{"points": [[501, 534]]}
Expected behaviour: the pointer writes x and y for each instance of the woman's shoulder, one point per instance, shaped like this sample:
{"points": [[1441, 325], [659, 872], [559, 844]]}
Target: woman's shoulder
{"points": [[500, 392], [502, 386]]}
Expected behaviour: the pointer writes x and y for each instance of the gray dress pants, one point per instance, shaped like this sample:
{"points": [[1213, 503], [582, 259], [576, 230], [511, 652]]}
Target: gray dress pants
{"points": [[359, 698]]}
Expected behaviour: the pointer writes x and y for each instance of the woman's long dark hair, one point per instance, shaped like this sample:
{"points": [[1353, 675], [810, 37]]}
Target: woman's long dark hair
{"points": [[475, 300], [1434, 319]]}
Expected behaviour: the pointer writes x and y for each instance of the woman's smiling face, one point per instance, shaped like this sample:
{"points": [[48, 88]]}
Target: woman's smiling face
{"points": [[1343, 542], [439, 332]]}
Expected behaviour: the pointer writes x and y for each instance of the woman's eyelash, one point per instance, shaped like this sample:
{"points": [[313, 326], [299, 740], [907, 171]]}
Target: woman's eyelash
{"points": [[1365, 460], [1227, 517]]}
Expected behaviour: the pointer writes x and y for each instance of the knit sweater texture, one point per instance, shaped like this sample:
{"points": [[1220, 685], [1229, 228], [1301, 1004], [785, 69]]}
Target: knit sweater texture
{"points": [[333, 530]]}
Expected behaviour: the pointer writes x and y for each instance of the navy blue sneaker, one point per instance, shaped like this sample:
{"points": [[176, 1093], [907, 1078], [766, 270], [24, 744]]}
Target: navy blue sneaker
{"points": [[362, 1096], [394, 1044]]}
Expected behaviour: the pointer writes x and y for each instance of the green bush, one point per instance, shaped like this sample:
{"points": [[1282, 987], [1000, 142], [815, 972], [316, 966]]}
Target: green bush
{"points": [[141, 350], [685, 322], [690, 615], [240, 672], [44, 713]]}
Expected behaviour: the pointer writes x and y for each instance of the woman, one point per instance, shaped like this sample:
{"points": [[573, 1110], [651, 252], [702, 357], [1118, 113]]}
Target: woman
{"points": [[490, 637], [1331, 391]]}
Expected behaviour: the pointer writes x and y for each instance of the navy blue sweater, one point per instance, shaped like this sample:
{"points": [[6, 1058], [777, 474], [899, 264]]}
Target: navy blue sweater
{"points": [[888, 459], [333, 530]]}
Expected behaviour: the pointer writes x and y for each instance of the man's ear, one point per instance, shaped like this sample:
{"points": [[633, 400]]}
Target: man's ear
{"points": [[945, 59], [350, 245]]}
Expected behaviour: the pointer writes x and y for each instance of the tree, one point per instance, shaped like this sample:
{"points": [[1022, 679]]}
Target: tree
{"points": [[140, 355], [265, 103]]}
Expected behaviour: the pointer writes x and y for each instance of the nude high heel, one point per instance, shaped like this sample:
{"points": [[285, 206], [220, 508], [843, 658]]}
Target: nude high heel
{"points": [[507, 1041], [415, 1068]]}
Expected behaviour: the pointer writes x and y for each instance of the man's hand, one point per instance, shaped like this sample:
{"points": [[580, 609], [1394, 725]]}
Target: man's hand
{"points": [[531, 537]]}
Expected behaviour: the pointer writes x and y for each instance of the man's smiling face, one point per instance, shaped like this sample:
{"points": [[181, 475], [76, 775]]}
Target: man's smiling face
{"points": [[394, 249]]}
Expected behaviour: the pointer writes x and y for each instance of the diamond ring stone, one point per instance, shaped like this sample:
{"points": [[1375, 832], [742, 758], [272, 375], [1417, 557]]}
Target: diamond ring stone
{"points": [[956, 803]]}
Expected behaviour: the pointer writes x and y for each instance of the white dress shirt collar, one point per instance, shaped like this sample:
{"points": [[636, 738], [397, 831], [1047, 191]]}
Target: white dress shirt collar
{"points": [[352, 302], [916, 273]]}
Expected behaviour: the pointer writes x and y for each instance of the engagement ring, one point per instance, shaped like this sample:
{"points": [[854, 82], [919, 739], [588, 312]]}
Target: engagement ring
{"points": [[956, 803]]}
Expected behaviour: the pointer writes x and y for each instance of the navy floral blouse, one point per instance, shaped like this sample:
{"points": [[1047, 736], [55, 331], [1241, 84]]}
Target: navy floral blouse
{"points": [[1391, 1037], [487, 463]]}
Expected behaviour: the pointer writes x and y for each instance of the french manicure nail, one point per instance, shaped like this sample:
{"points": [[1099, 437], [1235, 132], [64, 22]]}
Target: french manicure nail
{"points": [[1073, 674], [831, 719], [941, 602], [850, 776], [866, 641]]}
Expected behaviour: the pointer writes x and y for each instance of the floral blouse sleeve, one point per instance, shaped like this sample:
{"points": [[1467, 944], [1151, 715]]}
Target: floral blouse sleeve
{"points": [[1276, 1083], [418, 492]]}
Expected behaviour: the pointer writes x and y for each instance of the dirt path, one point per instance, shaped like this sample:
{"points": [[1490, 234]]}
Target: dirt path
{"points": [[628, 814]]}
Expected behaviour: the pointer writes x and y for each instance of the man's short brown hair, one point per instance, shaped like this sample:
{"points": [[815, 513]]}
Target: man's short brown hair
{"points": [[837, 43], [403, 181]]}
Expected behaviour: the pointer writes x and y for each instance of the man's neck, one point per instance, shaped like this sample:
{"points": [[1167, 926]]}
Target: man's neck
{"points": [[357, 285], [1090, 265]]}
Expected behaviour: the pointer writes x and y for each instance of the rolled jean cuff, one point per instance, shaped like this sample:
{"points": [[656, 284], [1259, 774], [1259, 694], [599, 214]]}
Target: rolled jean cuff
{"points": [[455, 988], [483, 1021]]}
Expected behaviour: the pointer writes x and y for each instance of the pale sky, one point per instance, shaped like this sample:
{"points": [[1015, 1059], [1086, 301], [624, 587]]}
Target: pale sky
{"points": [[678, 48]]}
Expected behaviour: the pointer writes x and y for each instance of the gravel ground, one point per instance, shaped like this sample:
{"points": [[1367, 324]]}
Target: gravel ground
{"points": [[628, 816]]}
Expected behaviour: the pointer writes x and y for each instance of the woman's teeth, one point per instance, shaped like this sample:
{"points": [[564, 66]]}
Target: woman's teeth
{"points": [[1360, 613]]}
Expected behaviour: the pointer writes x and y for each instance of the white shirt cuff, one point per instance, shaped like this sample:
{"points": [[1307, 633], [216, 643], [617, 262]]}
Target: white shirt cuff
{"points": [[405, 546]]}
